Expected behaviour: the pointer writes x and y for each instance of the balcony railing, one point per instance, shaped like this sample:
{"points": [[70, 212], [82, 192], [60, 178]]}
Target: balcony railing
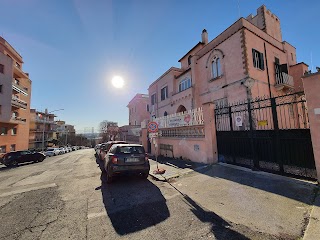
{"points": [[18, 88], [17, 102], [193, 117], [39, 120], [284, 80], [15, 119]]}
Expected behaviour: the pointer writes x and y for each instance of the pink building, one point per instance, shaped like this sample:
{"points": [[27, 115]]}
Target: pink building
{"points": [[247, 60], [249, 64], [138, 109]]}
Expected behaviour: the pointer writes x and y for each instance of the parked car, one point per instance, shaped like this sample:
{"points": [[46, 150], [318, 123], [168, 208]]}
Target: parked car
{"points": [[97, 149], [105, 147], [14, 158], [126, 158], [69, 149], [62, 151], [52, 152]]}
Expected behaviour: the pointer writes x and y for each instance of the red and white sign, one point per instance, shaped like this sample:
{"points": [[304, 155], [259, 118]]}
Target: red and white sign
{"points": [[152, 127]]}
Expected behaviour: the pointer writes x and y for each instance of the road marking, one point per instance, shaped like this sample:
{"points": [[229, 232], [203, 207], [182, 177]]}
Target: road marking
{"points": [[27, 189], [95, 215]]}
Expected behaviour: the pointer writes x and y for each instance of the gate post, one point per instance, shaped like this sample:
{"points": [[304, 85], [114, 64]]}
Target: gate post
{"points": [[311, 84], [276, 142], [210, 132], [255, 160]]}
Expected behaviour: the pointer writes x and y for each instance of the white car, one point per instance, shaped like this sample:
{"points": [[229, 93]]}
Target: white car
{"points": [[69, 149], [62, 151], [52, 152]]}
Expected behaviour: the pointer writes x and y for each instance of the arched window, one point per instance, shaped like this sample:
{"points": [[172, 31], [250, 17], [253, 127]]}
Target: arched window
{"points": [[216, 67], [181, 108]]}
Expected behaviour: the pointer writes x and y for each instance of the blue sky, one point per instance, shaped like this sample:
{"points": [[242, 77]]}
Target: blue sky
{"points": [[72, 48]]}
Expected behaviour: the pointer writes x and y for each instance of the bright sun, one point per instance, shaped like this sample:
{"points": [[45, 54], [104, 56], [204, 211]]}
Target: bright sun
{"points": [[117, 82]]}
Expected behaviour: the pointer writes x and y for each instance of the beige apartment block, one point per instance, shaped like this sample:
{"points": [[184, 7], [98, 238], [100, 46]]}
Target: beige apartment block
{"points": [[42, 129], [15, 94]]}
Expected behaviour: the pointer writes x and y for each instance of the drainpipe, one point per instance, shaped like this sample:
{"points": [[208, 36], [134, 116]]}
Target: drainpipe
{"points": [[265, 53]]}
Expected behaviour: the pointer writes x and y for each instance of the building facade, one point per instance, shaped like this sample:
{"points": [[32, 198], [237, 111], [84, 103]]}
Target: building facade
{"points": [[248, 60], [42, 129], [246, 63], [138, 109], [15, 94]]}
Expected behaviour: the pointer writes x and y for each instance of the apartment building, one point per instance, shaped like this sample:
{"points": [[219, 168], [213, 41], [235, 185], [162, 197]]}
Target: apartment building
{"points": [[248, 60], [42, 129], [64, 132], [138, 109], [15, 94]]}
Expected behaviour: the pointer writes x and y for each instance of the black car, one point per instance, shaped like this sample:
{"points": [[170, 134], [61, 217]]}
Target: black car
{"points": [[14, 158], [126, 158]]}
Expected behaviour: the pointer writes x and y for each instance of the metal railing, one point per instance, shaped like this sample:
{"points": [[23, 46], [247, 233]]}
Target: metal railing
{"points": [[284, 78]]}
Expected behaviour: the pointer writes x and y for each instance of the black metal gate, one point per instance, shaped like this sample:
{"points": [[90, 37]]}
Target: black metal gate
{"points": [[270, 134]]}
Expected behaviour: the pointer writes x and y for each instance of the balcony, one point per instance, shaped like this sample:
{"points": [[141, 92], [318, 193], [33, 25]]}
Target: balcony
{"points": [[193, 117], [17, 120], [284, 80], [18, 88], [18, 103], [18, 71], [39, 120]]}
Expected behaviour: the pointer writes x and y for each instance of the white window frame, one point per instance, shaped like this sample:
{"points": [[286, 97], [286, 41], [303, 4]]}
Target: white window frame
{"points": [[185, 84], [155, 99], [216, 67], [165, 88]]}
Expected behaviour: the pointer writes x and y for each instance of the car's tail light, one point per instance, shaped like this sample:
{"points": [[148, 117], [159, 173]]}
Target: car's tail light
{"points": [[146, 158], [114, 159]]}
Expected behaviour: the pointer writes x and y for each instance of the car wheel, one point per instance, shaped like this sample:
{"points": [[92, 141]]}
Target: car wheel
{"points": [[144, 175], [109, 176], [14, 163]]}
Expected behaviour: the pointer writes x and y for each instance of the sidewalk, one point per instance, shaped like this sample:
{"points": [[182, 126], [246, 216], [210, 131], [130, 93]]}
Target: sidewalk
{"points": [[290, 207], [174, 168]]}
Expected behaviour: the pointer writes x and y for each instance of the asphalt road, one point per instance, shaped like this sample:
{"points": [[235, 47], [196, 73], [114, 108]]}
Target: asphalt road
{"points": [[64, 198]]}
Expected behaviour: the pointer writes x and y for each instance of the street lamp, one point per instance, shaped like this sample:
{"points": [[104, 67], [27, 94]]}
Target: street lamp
{"points": [[44, 125]]}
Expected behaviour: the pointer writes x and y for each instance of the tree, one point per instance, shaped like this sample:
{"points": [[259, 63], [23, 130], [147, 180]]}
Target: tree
{"points": [[109, 131]]}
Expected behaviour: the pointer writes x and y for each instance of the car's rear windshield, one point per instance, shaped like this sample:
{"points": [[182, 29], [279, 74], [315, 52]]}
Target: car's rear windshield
{"points": [[130, 150], [50, 149]]}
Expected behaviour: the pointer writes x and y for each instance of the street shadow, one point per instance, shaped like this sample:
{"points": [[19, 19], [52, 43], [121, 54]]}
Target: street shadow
{"points": [[295, 189], [133, 204], [220, 228], [179, 163], [292, 188]]}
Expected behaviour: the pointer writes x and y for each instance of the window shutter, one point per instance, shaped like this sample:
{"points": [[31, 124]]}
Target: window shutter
{"points": [[261, 61], [254, 57]]}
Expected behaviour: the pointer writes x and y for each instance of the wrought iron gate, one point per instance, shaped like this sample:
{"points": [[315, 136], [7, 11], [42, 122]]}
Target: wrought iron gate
{"points": [[270, 134]]}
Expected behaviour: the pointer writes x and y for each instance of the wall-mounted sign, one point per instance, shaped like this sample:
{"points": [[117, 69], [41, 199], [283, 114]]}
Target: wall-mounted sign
{"points": [[263, 123], [238, 121], [317, 111], [153, 135]]}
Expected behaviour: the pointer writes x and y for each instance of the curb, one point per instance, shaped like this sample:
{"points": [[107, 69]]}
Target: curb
{"points": [[164, 178]]}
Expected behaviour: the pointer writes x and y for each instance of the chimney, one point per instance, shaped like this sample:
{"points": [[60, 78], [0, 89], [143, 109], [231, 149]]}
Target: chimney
{"points": [[204, 36]]}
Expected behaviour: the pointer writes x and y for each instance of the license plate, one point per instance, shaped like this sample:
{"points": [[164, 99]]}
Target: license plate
{"points": [[132, 160]]}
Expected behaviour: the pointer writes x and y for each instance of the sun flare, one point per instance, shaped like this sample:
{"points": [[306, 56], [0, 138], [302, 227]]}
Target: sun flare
{"points": [[117, 82]]}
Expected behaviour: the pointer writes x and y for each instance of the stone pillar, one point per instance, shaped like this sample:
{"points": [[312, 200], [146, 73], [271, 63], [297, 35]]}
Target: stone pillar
{"points": [[311, 84], [210, 133], [144, 139]]}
